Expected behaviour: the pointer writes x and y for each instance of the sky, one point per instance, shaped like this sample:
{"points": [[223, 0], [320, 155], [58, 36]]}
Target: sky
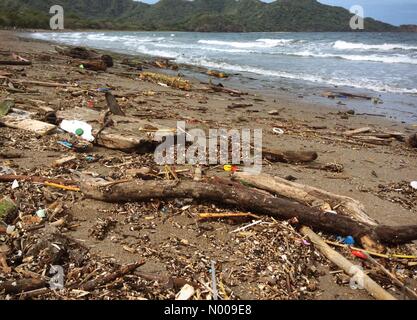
{"points": [[392, 11]]}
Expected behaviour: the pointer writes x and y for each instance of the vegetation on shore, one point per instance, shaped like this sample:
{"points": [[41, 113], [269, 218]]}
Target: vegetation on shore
{"points": [[183, 15]]}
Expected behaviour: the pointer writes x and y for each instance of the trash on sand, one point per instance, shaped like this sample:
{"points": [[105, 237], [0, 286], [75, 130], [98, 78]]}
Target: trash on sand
{"points": [[230, 168], [79, 128], [66, 144], [413, 185], [15, 184], [213, 280], [62, 161], [90, 103], [360, 254], [103, 89], [217, 74], [185, 293], [175, 82], [5, 107], [8, 210], [278, 131], [41, 213], [6, 170], [349, 240]]}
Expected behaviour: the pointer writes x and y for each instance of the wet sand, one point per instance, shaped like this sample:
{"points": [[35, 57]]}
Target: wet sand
{"points": [[367, 168]]}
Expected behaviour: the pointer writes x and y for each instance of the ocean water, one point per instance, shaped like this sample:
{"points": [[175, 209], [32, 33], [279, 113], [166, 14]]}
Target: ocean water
{"points": [[380, 64]]}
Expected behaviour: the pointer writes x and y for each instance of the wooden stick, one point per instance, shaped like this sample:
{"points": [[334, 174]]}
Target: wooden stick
{"points": [[348, 267], [226, 215], [44, 84], [14, 63], [124, 270], [35, 179], [62, 187], [307, 195]]}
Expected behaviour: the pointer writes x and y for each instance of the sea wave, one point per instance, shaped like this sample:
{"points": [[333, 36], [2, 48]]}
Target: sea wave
{"points": [[343, 45], [260, 43], [373, 58], [364, 84]]}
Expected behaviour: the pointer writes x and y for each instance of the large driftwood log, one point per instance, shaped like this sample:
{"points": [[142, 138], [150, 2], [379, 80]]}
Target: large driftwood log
{"points": [[348, 267], [14, 63], [227, 192], [273, 155], [308, 195]]}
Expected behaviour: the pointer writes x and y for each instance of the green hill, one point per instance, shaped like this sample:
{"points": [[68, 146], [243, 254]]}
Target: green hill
{"points": [[184, 15]]}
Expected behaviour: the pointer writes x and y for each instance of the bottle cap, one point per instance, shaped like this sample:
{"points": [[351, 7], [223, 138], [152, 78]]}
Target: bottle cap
{"points": [[79, 132]]}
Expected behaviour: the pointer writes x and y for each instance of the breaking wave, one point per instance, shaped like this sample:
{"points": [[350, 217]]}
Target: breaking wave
{"points": [[343, 45]]}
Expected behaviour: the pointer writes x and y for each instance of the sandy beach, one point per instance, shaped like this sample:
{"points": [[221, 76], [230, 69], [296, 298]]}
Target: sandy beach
{"points": [[167, 234]]}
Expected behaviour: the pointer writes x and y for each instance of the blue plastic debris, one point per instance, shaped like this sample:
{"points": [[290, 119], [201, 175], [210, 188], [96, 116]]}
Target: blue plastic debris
{"points": [[66, 144], [349, 241], [103, 89]]}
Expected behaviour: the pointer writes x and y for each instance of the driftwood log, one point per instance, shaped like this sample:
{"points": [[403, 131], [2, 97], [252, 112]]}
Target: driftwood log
{"points": [[311, 196], [113, 105], [289, 156], [14, 63], [412, 140], [85, 54], [228, 192], [23, 285]]}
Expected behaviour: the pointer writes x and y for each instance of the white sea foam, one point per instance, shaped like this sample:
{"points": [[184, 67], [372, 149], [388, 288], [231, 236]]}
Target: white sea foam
{"points": [[260, 43], [367, 84], [373, 58], [343, 45]]}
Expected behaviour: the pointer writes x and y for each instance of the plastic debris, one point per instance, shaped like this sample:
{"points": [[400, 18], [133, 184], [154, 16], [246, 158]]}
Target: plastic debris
{"points": [[41, 213], [413, 185], [278, 131], [360, 254], [8, 210], [6, 170], [66, 144], [79, 128], [5, 107], [15, 185], [103, 89]]}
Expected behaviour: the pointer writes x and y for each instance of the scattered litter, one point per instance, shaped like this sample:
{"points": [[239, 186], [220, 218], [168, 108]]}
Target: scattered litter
{"points": [[41, 213], [186, 293], [360, 254], [213, 280], [15, 184], [7, 170], [413, 185], [79, 128], [278, 131], [5, 107]]}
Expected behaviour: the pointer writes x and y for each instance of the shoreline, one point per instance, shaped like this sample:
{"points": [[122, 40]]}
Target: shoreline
{"points": [[295, 89], [370, 173]]}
